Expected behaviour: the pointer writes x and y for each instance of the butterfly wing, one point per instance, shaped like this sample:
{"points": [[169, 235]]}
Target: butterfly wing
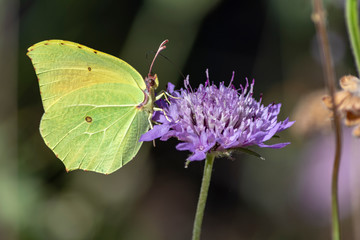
{"points": [[90, 98]]}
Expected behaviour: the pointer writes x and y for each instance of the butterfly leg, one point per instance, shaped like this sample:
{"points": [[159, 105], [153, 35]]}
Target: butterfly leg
{"points": [[150, 122], [162, 110], [165, 94], [151, 126]]}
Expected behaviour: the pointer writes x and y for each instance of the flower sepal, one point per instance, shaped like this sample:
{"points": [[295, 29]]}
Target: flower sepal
{"points": [[250, 152]]}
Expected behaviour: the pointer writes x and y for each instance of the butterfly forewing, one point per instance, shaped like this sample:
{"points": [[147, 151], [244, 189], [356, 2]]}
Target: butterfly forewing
{"points": [[63, 67]]}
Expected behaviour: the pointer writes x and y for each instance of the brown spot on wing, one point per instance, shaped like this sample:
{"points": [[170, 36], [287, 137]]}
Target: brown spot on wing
{"points": [[88, 119], [89, 68]]}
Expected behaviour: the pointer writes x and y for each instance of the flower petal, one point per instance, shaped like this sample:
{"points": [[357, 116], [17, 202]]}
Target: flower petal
{"points": [[197, 156], [170, 88], [276, 146], [185, 146], [154, 133], [285, 124], [272, 132]]}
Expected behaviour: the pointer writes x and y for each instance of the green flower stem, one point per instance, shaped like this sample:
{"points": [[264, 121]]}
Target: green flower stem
{"points": [[203, 196], [335, 201], [351, 13]]}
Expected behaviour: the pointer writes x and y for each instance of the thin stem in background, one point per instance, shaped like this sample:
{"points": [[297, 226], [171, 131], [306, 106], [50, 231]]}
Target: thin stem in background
{"points": [[320, 24], [352, 24], [203, 196], [351, 16]]}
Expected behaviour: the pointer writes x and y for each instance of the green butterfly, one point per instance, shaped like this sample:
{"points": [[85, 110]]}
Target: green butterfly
{"points": [[96, 105]]}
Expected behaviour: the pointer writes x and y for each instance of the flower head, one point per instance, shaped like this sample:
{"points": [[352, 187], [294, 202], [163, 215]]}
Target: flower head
{"points": [[348, 102], [216, 119]]}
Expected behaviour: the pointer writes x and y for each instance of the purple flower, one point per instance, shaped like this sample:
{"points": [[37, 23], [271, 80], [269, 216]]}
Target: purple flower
{"points": [[215, 119]]}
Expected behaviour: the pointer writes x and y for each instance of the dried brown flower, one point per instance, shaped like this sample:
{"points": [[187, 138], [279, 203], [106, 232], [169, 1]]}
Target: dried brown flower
{"points": [[347, 102]]}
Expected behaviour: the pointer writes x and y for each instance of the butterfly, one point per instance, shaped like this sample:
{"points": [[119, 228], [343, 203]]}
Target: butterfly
{"points": [[96, 106]]}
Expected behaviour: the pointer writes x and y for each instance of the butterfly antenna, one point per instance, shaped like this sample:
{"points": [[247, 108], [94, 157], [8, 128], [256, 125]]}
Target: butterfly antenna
{"points": [[161, 47], [176, 66], [168, 59]]}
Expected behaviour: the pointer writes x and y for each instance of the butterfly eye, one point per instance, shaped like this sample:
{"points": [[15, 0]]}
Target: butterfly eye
{"points": [[152, 82], [88, 119]]}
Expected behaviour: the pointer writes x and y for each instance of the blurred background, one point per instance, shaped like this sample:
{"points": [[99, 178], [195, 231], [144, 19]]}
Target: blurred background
{"points": [[154, 197]]}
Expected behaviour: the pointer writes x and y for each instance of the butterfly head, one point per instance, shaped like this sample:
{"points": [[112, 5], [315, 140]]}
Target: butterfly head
{"points": [[152, 82]]}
